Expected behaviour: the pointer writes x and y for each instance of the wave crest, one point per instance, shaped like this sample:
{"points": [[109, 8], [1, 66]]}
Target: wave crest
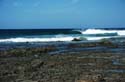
{"points": [[36, 39], [100, 31]]}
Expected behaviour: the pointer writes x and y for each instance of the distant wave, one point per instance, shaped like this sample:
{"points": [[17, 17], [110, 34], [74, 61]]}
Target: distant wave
{"points": [[37, 39], [88, 34], [97, 38], [101, 31], [54, 39], [41, 38]]}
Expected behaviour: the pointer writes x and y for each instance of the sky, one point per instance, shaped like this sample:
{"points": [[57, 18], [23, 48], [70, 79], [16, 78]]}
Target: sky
{"points": [[61, 13]]}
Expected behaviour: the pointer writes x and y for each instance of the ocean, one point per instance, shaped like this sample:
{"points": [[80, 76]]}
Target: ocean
{"points": [[53, 35]]}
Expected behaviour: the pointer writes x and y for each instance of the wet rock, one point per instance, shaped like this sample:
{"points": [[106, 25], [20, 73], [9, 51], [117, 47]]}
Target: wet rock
{"points": [[29, 81], [37, 63], [36, 56], [107, 43], [85, 81], [39, 66], [102, 80], [76, 39], [98, 78]]}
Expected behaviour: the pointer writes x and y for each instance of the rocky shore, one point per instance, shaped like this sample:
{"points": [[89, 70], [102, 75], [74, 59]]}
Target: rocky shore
{"points": [[75, 62]]}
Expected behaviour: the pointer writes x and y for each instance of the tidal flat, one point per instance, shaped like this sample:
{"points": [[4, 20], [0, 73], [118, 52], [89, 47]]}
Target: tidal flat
{"points": [[97, 61]]}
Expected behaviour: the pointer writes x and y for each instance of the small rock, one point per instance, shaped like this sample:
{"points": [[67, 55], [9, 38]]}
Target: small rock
{"points": [[76, 39], [37, 63]]}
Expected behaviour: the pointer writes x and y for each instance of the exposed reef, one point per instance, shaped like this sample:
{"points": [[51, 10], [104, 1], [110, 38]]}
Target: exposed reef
{"points": [[38, 65]]}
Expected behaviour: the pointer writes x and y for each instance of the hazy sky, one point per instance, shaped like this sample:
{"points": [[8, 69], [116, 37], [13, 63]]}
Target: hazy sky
{"points": [[61, 13]]}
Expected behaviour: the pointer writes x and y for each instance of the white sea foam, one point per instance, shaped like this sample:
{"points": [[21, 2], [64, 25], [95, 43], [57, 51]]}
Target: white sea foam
{"points": [[36, 39], [97, 38], [62, 37], [48, 39], [100, 31]]}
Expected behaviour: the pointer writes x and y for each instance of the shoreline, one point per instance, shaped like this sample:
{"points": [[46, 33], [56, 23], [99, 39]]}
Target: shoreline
{"points": [[63, 62]]}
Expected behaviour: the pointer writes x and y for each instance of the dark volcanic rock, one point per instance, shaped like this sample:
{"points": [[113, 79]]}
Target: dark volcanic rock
{"points": [[36, 65], [76, 39]]}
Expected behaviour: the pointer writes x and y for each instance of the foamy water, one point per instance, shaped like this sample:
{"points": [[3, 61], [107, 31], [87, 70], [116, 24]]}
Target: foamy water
{"points": [[36, 39], [100, 31], [92, 34]]}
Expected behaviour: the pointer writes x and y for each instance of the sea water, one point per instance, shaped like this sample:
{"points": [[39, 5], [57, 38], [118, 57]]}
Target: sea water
{"points": [[53, 35]]}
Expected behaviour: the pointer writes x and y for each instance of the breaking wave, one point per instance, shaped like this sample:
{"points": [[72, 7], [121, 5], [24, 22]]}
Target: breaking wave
{"points": [[101, 31], [37, 39], [88, 34]]}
